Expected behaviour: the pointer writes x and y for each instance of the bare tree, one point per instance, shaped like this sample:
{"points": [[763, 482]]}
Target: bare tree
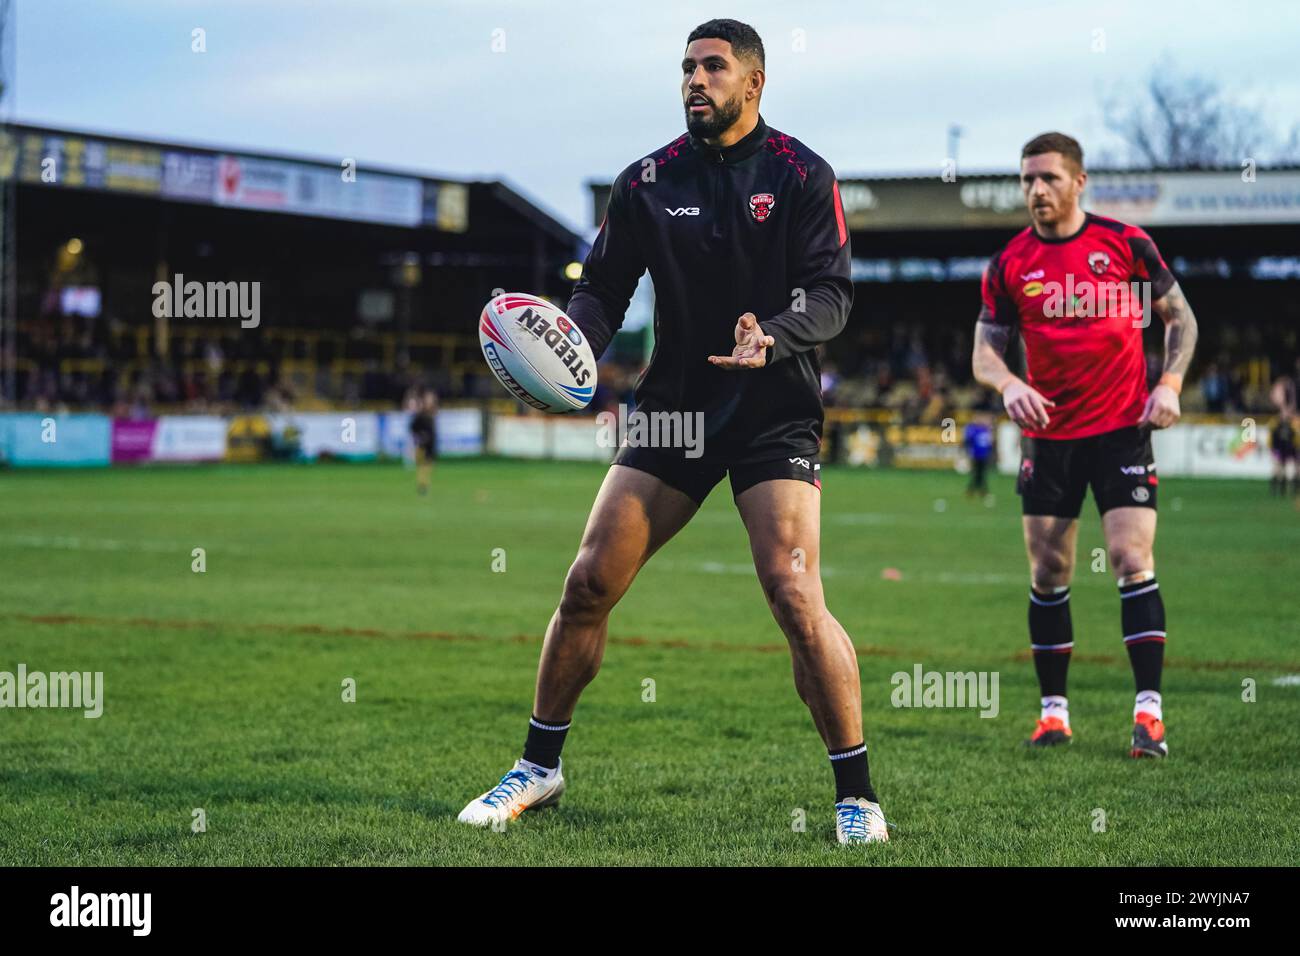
{"points": [[5, 64], [1188, 121]]}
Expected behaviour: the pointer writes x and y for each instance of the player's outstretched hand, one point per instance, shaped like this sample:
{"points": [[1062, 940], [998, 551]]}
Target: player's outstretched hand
{"points": [[751, 346], [1025, 405], [1162, 408]]}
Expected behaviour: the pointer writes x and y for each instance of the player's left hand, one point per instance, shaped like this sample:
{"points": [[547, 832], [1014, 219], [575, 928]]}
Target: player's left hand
{"points": [[1162, 408], [751, 346]]}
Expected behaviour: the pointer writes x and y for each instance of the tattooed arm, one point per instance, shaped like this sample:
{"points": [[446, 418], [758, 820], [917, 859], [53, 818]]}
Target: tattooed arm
{"points": [[1024, 404], [987, 362], [1162, 408], [998, 322]]}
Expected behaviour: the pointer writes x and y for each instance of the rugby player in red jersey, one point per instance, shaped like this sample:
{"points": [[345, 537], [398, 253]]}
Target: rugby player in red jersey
{"points": [[1073, 286]]}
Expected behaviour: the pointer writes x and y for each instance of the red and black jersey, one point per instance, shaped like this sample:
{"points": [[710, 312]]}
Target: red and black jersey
{"points": [[754, 227], [1079, 303]]}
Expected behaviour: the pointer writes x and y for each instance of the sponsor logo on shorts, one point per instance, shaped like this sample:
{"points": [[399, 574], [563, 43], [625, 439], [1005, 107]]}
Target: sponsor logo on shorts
{"points": [[801, 461], [1141, 493], [1134, 470]]}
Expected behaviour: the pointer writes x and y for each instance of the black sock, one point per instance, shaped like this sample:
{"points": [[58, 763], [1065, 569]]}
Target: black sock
{"points": [[544, 743], [852, 778], [1142, 615], [1051, 636]]}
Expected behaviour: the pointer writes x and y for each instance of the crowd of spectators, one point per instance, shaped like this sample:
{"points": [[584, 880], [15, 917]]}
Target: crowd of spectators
{"points": [[922, 376], [102, 363]]}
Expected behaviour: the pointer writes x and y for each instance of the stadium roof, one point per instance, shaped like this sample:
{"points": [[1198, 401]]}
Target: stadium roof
{"points": [[913, 176], [1147, 197], [250, 179]]}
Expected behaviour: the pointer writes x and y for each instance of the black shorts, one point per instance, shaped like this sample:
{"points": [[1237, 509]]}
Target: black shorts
{"points": [[695, 477], [1055, 473]]}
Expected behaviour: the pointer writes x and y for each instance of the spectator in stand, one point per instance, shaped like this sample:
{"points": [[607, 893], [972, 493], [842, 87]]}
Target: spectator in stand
{"points": [[830, 378], [884, 381], [1214, 386], [926, 407], [1283, 395]]}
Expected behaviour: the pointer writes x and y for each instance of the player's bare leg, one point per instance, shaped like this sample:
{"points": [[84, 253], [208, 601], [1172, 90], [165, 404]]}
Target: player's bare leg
{"points": [[634, 515], [423, 471], [1130, 540], [783, 518], [1050, 543]]}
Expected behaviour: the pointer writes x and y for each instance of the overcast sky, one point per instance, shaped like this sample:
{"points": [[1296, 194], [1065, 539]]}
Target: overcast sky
{"points": [[582, 89]]}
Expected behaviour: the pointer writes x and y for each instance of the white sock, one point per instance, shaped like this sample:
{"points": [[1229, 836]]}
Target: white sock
{"points": [[1148, 701], [1056, 706]]}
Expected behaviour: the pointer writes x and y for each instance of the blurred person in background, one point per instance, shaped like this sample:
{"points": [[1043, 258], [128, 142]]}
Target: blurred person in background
{"points": [[1282, 443], [424, 435], [1282, 436], [1283, 396], [978, 440], [829, 379]]}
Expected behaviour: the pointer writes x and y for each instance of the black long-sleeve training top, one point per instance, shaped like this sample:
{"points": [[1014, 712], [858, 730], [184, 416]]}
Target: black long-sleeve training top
{"points": [[755, 227]]}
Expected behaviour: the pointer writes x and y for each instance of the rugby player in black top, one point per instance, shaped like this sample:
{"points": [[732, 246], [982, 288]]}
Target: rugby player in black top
{"points": [[743, 232]]}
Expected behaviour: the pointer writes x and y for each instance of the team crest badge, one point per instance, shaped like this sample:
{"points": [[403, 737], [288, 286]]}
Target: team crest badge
{"points": [[1099, 262], [760, 206]]}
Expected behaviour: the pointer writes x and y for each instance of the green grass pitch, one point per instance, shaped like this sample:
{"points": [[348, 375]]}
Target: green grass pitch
{"points": [[223, 689]]}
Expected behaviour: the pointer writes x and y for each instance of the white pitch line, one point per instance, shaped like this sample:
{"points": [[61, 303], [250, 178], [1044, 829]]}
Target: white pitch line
{"points": [[968, 577], [78, 543], [982, 578]]}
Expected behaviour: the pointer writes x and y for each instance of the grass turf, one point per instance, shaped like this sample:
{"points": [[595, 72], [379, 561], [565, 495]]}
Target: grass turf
{"points": [[223, 688]]}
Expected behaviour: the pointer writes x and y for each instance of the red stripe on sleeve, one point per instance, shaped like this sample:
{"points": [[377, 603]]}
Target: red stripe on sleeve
{"points": [[839, 214]]}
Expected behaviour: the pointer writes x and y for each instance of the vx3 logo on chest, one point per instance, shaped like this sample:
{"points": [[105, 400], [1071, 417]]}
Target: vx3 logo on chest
{"points": [[683, 211]]}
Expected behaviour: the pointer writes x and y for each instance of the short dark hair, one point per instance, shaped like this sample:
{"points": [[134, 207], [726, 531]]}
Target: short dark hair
{"points": [[745, 42], [1067, 146]]}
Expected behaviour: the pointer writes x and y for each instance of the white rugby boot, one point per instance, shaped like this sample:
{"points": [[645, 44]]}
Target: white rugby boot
{"points": [[525, 787], [858, 820]]}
